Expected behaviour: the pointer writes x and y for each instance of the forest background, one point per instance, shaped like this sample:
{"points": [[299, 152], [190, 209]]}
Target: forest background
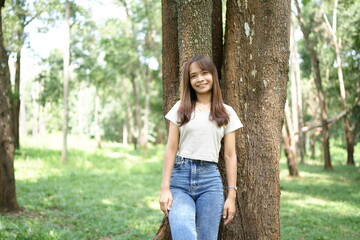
{"points": [[98, 79]]}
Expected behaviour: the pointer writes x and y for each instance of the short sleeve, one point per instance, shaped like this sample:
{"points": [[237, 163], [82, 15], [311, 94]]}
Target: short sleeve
{"points": [[172, 115], [234, 121]]}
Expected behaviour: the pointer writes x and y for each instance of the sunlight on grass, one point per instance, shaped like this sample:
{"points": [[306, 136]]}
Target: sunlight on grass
{"points": [[320, 204]]}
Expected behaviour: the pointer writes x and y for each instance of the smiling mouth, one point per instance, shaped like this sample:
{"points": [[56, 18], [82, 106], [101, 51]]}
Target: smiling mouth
{"points": [[202, 85]]}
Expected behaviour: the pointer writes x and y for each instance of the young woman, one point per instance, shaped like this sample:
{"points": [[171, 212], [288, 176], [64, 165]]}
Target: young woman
{"points": [[191, 190]]}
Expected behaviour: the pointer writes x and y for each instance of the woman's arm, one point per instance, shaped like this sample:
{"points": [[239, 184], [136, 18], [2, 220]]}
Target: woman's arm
{"points": [[170, 153], [231, 174]]}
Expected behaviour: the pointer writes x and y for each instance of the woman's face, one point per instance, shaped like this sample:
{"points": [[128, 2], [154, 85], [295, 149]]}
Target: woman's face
{"points": [[200, 79]]}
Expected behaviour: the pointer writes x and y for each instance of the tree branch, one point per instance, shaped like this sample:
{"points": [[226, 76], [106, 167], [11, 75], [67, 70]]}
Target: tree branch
{"points": [[330, 121]]}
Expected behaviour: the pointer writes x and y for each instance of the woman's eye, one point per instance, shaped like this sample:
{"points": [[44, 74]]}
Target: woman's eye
{"points": [[192, 76], [205, 72]]}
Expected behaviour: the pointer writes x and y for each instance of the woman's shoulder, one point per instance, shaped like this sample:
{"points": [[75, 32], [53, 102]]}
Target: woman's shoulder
{"points": [[228, 107], [177, 104]]}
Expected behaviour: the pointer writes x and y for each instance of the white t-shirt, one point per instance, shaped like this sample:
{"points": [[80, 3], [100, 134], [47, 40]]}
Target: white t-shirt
{"points": [[200, 138]]}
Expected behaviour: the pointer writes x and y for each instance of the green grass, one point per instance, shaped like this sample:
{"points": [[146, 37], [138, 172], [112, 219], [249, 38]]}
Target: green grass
{"points": [[112, 193]]}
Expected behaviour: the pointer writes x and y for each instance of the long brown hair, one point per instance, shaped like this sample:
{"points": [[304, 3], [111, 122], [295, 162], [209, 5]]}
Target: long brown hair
{"points": [[218, 114]]}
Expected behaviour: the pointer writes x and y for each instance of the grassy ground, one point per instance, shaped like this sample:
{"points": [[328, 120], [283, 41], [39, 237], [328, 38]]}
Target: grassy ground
{"points": [[112, 193]]}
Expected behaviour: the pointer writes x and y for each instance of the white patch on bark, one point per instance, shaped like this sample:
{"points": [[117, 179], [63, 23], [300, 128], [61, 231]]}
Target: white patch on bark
{"points": [[247, 29], [265, 83], [251, 40], [253, 72], [241, 80], [253, 19], [239, 3], [246, 4], [250, 56]]}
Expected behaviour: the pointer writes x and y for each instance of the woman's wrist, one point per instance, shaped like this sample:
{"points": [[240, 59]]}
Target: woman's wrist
{"points": [[231, 193], [165, 186]]}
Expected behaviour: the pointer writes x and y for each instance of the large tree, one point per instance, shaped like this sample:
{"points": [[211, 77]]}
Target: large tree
{"points": [[255, 76], [8, 200], [255, 72]]}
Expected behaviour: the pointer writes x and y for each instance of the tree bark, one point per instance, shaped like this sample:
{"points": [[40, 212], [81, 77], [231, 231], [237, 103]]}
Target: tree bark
{"points": [[315, 65], [170, 55], [66, 81], [8, 201], [255, 75]]}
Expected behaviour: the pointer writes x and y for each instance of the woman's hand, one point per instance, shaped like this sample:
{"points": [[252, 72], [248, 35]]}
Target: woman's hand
{"points": [[229, 210], [165, 201]]}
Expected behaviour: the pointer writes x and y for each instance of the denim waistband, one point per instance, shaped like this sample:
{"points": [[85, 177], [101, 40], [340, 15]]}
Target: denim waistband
{"points": [[201, 162]]}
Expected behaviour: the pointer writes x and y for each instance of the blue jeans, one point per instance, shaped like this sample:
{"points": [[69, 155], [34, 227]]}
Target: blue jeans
{"points": [[198, 200]]}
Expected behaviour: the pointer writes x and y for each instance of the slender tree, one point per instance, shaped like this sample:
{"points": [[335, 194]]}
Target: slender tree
{"points": [[66, 73], [8, 201], [332, 30], [296, 95], [315, 65], [289, 141]]}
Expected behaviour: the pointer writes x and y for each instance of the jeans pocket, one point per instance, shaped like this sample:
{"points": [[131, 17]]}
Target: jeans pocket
{"points": [[209, 166], [179, 162]]}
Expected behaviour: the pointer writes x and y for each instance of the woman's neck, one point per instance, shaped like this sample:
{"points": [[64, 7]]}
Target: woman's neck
{"points": [[203, 99]]}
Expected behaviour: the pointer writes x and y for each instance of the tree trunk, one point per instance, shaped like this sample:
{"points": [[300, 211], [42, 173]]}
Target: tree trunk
{"points": [[22, 125], [290, 154], [296, 93], [16, 102], [97, 120], [170, 56], [125, 135], [35, 106], [138, 121], [66, 81], [8, 201], [289, 139], [313, 146], [315, 64], [189, 28], [256, 73], [348, 135], [195, 36], [41, 121], [143, 138]]}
